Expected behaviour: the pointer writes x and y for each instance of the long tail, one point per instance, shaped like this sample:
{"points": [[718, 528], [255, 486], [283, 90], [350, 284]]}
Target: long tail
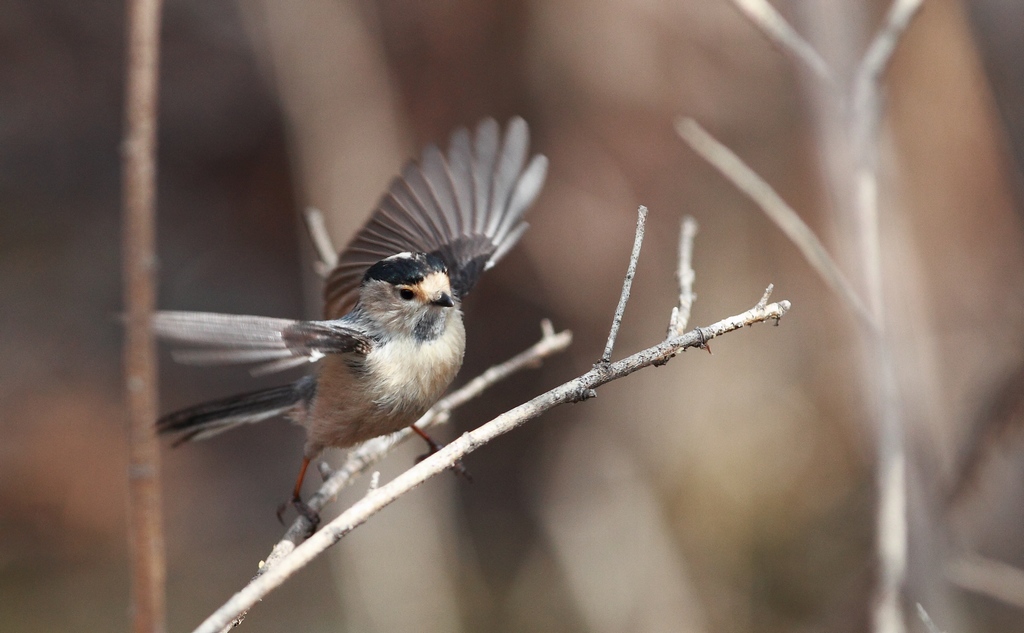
{"points": [[212, 418]]}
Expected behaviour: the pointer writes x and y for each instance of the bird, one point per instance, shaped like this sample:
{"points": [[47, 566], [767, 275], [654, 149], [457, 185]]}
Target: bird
{"points": [[392, 338]]}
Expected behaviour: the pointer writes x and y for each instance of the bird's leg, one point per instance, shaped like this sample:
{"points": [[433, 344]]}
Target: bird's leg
{"points": [[300, 506], [458, 468]]}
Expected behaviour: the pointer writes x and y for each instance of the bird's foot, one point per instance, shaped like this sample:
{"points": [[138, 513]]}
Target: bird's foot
{"points": [[458, 467], [303, 509]]}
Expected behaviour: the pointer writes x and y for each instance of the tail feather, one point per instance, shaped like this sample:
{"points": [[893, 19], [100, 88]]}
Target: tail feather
{"points": [[212, 418]]}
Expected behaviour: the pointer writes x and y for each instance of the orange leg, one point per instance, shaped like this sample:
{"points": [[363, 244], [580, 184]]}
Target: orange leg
{"points": [[302, 508], [434, 446], [297, 493]]}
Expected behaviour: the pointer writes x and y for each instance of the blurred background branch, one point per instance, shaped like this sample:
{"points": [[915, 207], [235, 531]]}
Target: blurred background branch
{"points": [[879, 376], [139, 177]]}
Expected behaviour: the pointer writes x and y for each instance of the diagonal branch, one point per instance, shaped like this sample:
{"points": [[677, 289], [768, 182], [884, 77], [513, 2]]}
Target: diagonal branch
{"points": [[988, 577], [376, 500], [764, 16], [789, 222], [927, 620]]}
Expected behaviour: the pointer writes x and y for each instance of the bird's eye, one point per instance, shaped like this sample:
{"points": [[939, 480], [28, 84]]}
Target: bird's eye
{"points": [[406, 294]]}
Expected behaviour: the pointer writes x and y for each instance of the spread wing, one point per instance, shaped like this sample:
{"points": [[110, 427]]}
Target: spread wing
{"points": [[466, 207], [278, 343]]}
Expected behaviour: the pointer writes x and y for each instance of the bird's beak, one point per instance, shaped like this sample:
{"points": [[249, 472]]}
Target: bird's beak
{"points": [[444, 300]]}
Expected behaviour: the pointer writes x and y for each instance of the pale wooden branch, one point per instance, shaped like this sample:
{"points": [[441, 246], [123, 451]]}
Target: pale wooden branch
{"points": [[685, 277], [369, 453], [770, 22], [327, 255], [988, 577], [138, 164], [778, 211], [575, 390], [627, 284]]}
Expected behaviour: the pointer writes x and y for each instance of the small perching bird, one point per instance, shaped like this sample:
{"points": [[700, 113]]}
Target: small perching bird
{"points": [[393, 338]]}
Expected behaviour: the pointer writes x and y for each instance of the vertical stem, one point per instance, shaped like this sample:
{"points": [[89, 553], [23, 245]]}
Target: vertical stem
{"points": [[891, 519], [139, 192]]}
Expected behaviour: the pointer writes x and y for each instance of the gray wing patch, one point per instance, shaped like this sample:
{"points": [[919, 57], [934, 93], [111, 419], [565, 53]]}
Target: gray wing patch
{"points": [[240, 339]]}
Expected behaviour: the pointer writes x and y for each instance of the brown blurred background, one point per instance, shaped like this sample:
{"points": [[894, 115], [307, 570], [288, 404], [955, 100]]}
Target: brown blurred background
{"points": [[727, 493]]}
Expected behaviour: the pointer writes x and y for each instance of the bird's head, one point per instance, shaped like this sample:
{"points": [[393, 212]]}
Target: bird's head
{"points": [[408, 293]]}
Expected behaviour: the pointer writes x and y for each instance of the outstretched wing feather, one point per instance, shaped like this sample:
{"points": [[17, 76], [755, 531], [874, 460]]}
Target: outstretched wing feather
{"points": [[466, 207]]}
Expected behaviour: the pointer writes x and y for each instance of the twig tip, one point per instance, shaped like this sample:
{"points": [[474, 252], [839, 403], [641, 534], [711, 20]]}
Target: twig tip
{"points": [[547, 330], [688, 128]]}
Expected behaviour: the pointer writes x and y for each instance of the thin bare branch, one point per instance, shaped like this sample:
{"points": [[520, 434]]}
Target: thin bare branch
{"points": [[138, 155], [572, 391], [627, 284], [326, 253], [774, 26], [685, 277], [988, 577], [789, 222]]}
